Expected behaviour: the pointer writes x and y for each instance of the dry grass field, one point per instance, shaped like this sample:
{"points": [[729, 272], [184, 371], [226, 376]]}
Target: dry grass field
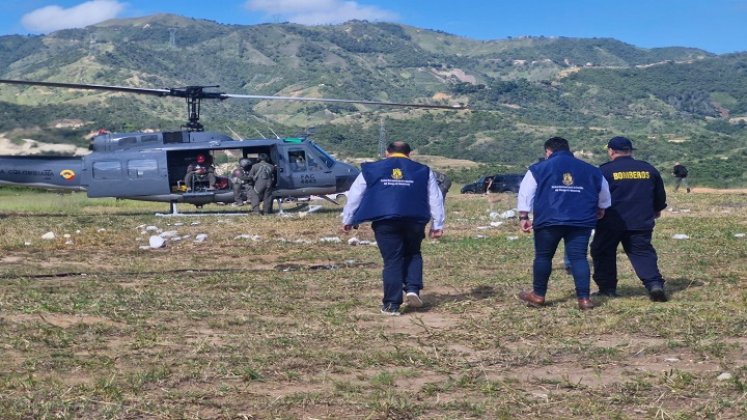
{"points": [[271, 318]]}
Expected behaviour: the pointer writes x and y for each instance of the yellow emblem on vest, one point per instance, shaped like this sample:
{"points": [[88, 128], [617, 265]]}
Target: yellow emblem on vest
{"points": [[567, 178], [397, 173]]}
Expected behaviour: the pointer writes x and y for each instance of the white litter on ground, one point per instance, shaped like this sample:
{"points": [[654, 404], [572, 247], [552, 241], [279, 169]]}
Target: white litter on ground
{"points": [[508, 214], [48, 236], [739, 235], [724, 376], [680, 236], [331, 239], [156, 242]]}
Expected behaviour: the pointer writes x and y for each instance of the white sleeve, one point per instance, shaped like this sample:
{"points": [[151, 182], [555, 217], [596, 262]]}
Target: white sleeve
{"points": [[527, 189], [436, 203], [355, 195], [605, 198]]}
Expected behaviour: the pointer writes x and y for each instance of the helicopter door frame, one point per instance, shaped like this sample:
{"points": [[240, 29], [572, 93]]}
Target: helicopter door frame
{"points": [[129, 174], [307, 170]]}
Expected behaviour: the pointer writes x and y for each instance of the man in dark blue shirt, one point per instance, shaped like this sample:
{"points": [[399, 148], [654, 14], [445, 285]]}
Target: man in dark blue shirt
{"points": [[567, 196], [638, 197]]}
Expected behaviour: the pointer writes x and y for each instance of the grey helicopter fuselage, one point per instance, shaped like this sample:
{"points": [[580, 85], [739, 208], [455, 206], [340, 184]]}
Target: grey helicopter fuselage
{"points": [[152, 166]]}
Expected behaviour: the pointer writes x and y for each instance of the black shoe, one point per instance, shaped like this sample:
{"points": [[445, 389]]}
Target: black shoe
{"points": [[606, 293], [657, 294]]}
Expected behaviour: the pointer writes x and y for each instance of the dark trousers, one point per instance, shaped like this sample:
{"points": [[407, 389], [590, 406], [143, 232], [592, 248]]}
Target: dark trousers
{"points": [[637, 246], [546, 240], [399, 243]]}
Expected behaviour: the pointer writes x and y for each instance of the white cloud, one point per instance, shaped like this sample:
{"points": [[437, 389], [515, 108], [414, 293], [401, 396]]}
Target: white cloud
{"points": [[319, 12], [53, 18]]}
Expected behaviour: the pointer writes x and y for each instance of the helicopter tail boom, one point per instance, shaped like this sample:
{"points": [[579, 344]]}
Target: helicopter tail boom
{"points": [[53, 172]]}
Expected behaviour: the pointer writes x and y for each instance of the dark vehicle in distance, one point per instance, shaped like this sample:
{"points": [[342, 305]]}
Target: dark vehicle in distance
{"points": [[500, 183]]}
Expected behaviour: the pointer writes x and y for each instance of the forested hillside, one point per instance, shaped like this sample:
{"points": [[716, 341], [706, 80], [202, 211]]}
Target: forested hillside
{"points": [[675, 103]]}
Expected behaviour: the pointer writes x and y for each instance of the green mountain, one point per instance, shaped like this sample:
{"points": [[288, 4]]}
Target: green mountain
{"points": [[675, 103]]}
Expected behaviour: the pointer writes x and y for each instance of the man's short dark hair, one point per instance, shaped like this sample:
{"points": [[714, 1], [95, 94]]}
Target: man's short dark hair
{"points": [[399, 147], [557, 143]]}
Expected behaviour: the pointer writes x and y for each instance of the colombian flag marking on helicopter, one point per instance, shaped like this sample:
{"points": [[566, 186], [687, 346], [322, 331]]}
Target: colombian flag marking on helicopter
{"points": [[68, 174]]}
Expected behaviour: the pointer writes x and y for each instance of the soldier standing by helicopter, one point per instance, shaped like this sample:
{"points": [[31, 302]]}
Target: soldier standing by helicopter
{"points": [[241, 181], [262, 176]]}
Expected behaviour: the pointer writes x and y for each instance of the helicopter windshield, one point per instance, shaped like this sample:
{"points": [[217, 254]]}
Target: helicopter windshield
{"points": [[324, 156]]}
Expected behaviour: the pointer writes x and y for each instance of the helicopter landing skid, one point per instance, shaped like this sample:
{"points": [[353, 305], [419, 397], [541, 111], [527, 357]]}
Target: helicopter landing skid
{"points": [[174, 212]]}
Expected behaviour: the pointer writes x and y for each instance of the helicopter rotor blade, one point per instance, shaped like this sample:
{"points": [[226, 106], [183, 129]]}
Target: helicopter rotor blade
{"points": [[345, 101], [156, 92], [198, 92]]}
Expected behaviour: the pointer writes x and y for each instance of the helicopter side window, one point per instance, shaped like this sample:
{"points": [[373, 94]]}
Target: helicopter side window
{"points": [[127, 141], [149, 139], [107, 169], [297, 160], [142, 168]]}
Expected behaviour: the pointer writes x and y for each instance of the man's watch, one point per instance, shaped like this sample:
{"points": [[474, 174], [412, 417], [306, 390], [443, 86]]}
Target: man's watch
{"points": [[524, 217]]}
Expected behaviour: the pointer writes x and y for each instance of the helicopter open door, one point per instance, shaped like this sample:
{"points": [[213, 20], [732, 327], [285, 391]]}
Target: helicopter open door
{"points": [[128, 174]]}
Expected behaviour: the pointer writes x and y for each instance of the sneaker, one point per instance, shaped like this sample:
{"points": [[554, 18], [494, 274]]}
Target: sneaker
{"points": [[657, 294], [413, 300], [390, 311]]}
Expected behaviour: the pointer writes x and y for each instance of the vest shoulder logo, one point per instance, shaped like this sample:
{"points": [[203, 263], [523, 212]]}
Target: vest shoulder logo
{"points": [[397, 173], [567, 178]]}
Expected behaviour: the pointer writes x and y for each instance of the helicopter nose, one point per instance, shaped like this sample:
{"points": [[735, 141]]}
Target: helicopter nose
{"points": [[345, 176]]}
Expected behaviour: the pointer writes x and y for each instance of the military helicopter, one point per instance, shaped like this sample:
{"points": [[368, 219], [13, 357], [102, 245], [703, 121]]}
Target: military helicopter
{"points": [[152, 166]]}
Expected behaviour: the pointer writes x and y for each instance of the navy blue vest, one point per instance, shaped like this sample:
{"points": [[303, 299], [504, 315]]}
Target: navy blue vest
{"points": [[396, 188], [567, 191]]}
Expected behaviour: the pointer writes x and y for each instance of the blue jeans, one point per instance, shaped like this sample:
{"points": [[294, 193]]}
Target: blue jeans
{"points": [[546, 240], [399, 244]]}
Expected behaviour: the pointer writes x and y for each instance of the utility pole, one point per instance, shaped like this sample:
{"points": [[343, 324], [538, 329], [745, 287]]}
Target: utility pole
{"points": [[172, 37], [382, 138]]}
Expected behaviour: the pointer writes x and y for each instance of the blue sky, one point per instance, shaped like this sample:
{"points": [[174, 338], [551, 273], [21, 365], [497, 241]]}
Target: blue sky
{"points": [[718, 26]]}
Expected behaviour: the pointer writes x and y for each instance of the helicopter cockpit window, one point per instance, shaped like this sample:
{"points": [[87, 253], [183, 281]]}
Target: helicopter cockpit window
{"points": [[297, 159], [327, 159], [142, 168], [107, 169]]}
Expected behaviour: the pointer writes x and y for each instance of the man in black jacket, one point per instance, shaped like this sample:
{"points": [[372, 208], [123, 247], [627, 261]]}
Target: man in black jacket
{"points": [[680, 173], [638, 197]]}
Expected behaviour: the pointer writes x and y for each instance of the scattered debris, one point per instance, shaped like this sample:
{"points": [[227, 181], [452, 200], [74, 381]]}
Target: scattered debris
{"points": [[739, 235], [48, 236], [512, 238], [100, 230], [508, 214], [156, 242], [151, 228], [169, 234], [330, 239], [725, 376], [201, 237], [254, 238], [672, 360], [67, 236], [495, 224], [680, 236]]}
